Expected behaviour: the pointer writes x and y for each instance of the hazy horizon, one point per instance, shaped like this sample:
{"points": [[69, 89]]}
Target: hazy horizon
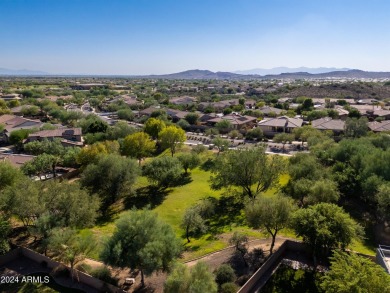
{"points": [[161, 37]]}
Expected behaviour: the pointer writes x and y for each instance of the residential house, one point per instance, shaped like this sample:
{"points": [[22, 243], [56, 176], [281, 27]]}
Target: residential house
{"points": [[176, 115], [272, 126], [68, 136], [379, 126], [327, 123], [16, 160], [238, 121], [12, 123]]}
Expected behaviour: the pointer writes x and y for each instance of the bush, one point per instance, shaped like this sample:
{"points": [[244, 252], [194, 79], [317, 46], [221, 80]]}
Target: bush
{"points": [[104, 274], [229, 288], [224, 274]]}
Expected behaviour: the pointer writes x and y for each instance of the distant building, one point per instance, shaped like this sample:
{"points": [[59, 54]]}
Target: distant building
{"points": [[327, 123], [379, 126], [68, 136], [272, 126], [12, 123], [16, 160], [238, 121]]}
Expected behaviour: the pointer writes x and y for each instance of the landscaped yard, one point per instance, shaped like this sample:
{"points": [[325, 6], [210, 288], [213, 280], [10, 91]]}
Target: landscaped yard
{"points": [[172, 205]]}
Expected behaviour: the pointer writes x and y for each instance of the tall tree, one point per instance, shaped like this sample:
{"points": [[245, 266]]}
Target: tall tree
{"points": [[69, 247], [250, 169], [356, 127], [162, 171], [221, 144], [325, 226], [153, 127], [172, 137], [8, 174], [193, 222], [142, 241], [283, 138], [354, 273], [111, 177], [189, 161], [271, 214], [138, 145]]}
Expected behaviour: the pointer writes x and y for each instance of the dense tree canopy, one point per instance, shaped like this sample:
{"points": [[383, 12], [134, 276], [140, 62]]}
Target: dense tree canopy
{"points": [[325, 226], [162, 171], [354, 273], [153, 127], [111, 177]]}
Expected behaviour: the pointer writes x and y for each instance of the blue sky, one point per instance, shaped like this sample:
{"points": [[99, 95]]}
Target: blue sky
{"points": [[145, 36]]}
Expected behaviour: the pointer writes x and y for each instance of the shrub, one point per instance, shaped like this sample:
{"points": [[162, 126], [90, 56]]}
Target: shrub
{"points": [[229, 288], [103, 273], [224, 274]]}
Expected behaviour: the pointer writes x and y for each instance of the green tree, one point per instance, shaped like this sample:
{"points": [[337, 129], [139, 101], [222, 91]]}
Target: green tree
{"points": [[189, 161], [111, 177], [255, 133], [51, 147], [324, 227], [125, 114], [353, 273], [5, 229], [162, 171], [224, 274], [142, 241], [91, 154], [172, 137], [383, 202], [224, 126], [283, 138], [69, 247], [193, 222], [356, 127], [258, 172], [198, 279], [229, 288], [221, 144], [17, 136], [183, 124], [240, 242], [138, 145], [153, 127], [271, 214], [192, 118], [8, 174]]}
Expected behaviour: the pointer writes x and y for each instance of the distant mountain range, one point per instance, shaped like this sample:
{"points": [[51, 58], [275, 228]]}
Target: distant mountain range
{"points": [[206, 74], [280, 70], [315, 73], [22, 72]]}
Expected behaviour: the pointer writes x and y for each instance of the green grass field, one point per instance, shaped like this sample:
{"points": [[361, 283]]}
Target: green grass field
{"points": [[178, 199]]}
